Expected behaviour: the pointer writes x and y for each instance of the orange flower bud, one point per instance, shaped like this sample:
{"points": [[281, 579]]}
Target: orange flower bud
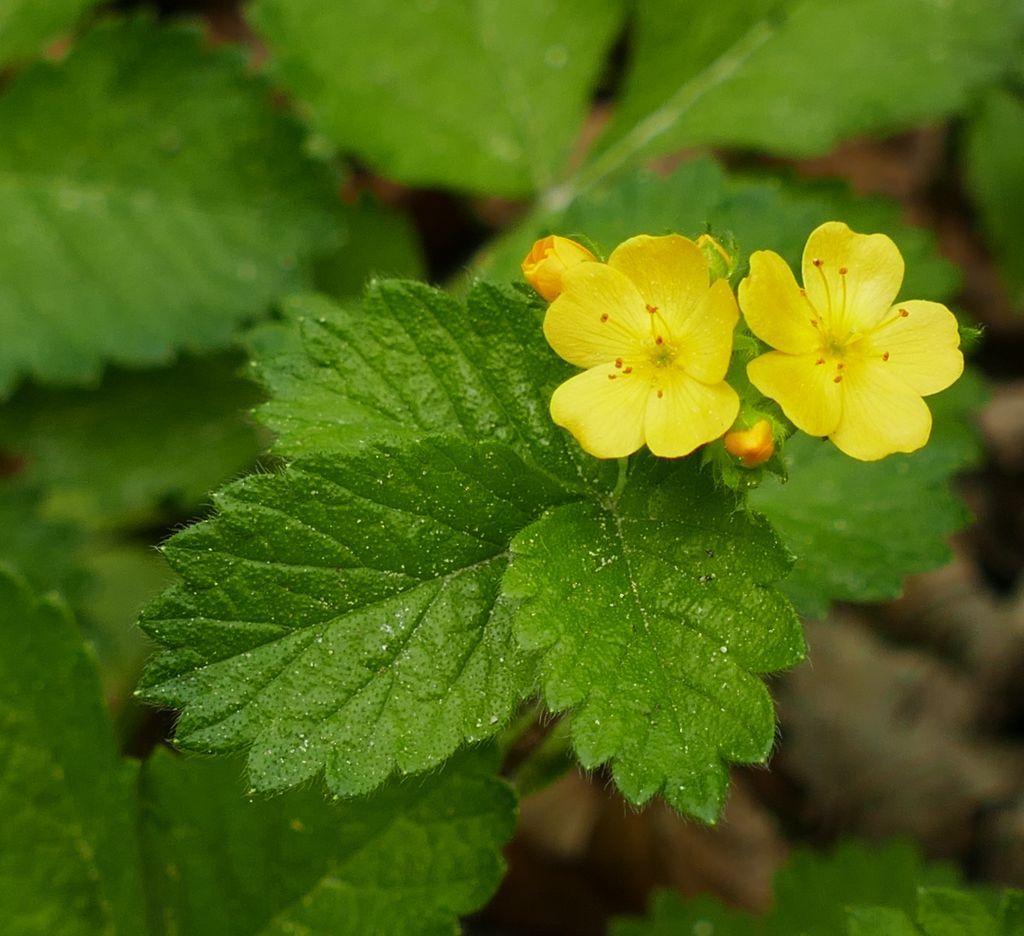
{"points": [[751, 446], [548, 260]]}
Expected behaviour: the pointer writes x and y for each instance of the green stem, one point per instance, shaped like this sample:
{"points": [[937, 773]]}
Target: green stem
{"points": [[620, 482]]}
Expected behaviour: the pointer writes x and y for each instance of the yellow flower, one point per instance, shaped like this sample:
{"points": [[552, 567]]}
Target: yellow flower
{"points": [[548, 260], [849, 363], [752, 446], [656, 340]]}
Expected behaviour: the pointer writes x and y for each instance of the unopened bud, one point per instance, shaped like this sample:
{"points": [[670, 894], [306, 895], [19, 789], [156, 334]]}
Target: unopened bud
{"points": [[721, 258], [547, 261], [752, 446]]}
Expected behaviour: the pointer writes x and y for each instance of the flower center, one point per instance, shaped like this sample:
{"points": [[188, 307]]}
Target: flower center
{"points": [[837, 339], [661, 349]]}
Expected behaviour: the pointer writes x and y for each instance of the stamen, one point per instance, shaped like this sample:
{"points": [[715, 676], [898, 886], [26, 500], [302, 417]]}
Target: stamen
{"points": [[661, 393], [885, 355], [652, 309], [604, 317], [840, 365], [843, 271], [628, 370], [838, 378], [904, 313], [814, 323], [659, 340], [820, 360], [618, 362], [612, 376], [818, 264]]}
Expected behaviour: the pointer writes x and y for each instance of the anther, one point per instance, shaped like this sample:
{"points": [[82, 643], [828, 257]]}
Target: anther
{"points": [[843, 271], [659, 340], [661, 393], [628, 370], [820, 360], [840, 365], [652, 309], [618, 362], [885, 355], [604, 317], [814, 323], [817, 262], [838, 378], [611, 376], [904, 313]]}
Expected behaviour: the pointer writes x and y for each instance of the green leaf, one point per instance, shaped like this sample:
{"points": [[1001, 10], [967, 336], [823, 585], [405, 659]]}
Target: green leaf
{"points": [[858, 529], [345, 615], [26, 25], [466, 93], [653, 616], [671, 915], [879, 921], [413, 361], [72, 860], [996, 180], [152, 201], [764, 213], [409, 859], [68, 848], [145, 446], [812, 895], [812, 891], [44, 551], [793, 77]]}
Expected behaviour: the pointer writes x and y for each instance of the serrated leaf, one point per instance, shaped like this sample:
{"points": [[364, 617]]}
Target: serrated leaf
{"points": [[652, 617], [345, 615], [764, 213], [25, 25], [152, 201], [996, 178], [68, 852], [858, 529], [794, 78], [409, 859], [413, 361], [467, 93], [145, 446]]}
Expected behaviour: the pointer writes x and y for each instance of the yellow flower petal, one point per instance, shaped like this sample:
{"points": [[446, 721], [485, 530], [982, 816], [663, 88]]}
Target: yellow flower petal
{"points": [[774, 307], [548, 260], [598, 317], [881, 413], [688, 413], [859, 298], [921, 347], [806, 391], [704, 337], [606, 416], [669, 272]]}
